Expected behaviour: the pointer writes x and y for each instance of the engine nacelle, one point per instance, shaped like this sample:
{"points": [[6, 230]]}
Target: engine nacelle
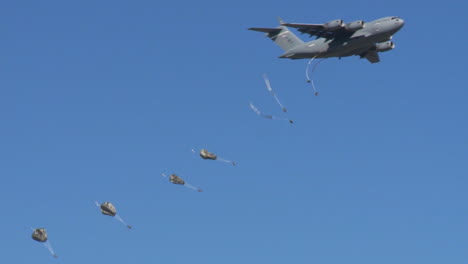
{"points": [[384, 46], [333, 25], [355, 26]]}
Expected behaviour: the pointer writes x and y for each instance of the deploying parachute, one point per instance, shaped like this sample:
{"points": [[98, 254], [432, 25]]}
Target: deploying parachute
{"points": [[178, 180], [109, 209], [258, 112], [309, 80], [40, 235], [205, 154], [268, 85]]}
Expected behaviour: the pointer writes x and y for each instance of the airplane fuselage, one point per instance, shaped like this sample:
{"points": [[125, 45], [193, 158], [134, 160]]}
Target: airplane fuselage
{"points": [[357, 43]]}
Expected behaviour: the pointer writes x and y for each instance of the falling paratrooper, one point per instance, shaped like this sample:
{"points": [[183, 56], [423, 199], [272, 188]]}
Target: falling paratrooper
{"points": [[40, 235], [205, 154], [108, 208], [178, 180]]}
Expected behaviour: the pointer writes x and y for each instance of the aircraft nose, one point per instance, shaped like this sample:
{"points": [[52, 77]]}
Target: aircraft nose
{"points": [[400, 22]]}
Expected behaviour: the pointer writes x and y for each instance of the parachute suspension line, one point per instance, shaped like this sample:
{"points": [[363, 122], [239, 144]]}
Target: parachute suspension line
{"points": [[316, 64], [268, 85], [122, 221], [309, 80], [226, 161], [188, 185], [49, 247]]}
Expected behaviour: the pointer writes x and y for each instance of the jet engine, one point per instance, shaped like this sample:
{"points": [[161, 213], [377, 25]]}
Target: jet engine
{"points": [[333, 25], [384, 46], [355, 26]]}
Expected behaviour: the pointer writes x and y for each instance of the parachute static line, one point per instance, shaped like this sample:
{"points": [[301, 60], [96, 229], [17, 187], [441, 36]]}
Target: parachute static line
{"points": [[309, 80], [218, 158], [258, 112], [186, 184], [268, 85]]}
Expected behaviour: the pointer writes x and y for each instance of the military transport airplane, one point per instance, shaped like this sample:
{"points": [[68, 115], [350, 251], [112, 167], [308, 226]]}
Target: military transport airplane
{"points": [[336, 39]]}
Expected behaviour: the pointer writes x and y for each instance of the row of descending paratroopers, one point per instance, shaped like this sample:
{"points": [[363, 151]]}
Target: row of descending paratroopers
{"points": [[107, 208]]}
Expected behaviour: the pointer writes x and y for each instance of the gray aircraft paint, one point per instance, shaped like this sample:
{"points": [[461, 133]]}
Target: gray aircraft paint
{"points": [[361, 42]]}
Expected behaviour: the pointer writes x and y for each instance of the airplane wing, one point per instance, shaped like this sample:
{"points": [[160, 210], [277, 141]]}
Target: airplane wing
{"points": [[322, 30], [372, 56], [300, 25]]}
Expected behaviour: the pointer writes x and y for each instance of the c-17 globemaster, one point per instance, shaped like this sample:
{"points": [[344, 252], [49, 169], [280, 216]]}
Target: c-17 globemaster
{"points": [[336, 39]]}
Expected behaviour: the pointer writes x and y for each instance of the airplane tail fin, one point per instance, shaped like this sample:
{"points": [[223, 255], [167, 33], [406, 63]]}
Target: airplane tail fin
{"points": [[281, 36]]}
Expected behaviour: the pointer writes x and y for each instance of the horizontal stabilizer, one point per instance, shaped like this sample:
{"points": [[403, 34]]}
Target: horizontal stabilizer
{"points": [[267, 30]]}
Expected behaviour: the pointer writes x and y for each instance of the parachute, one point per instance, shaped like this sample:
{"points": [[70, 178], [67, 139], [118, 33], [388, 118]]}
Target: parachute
{"points": [[205, 154], [178, 180], [270, 90], [40, 235], [109, 209]]}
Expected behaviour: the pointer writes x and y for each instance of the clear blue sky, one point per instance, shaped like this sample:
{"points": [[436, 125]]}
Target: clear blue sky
{"points": [[98, 98]]}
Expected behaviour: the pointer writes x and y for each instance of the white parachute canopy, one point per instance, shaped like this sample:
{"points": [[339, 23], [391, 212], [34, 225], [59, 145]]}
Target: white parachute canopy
{"points": [[108, 208], [40, 235]]}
